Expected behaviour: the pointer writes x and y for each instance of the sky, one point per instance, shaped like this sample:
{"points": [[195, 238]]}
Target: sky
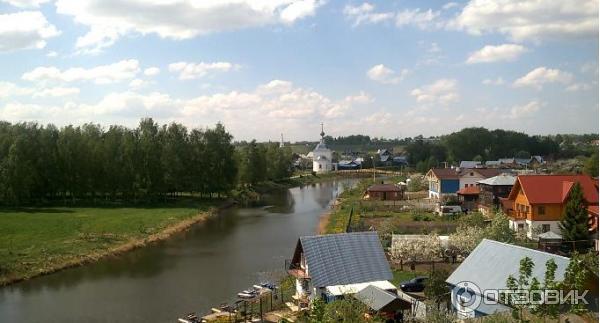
{"points": [[269, 67]]}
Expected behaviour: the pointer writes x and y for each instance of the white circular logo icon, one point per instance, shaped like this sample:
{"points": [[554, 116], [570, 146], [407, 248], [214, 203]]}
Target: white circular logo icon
{"points": [[466, 296]]}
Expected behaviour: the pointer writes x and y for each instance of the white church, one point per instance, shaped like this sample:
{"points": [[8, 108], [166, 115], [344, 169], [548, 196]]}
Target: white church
{"points": [[322, 156]]}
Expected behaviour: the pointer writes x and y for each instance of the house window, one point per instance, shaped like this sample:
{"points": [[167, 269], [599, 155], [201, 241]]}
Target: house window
{"points": [[520, 226], [471, 174], [545, 228], [320, 166], [466, 185], [541, 210], [527, 209]]}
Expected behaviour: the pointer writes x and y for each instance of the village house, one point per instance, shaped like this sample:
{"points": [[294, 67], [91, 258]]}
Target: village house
{"points": [[348, 165], [492, 189], [487, 268], [385, 157], [447, 181], [536, 202], [468, 197], [384, 192], [331, 266]]}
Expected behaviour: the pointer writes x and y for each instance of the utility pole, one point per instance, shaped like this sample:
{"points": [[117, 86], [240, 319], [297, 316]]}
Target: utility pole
{"points": [[373, 164]]}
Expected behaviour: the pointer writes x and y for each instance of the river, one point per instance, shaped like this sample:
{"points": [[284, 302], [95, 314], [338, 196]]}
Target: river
{"points": [[190, 272]]}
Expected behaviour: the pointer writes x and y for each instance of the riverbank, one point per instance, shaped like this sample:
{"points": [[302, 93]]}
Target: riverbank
{"points": [[39, 241]]}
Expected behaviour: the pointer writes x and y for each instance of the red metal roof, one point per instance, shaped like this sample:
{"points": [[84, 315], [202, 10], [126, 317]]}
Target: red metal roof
{"points": [[541, 189], [471, 190]]}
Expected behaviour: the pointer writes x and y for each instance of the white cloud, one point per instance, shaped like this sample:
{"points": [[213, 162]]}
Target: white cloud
{"points": [[578, 87], [11, 90], [442, 91], [138, 83], [434, 48], [8, 89], [103, 74], [25, 30], [360, 98], [51, 54], [542, 75], [285, 106], [176, 19], [152, 71], [382, 74], [190, 71], [530, 20], [490, 53], [364, 13], [450, 5], [298, 10], [421, 19], [56, 92], [25, 3], [379, 118], [498, 81], [526, 110]]}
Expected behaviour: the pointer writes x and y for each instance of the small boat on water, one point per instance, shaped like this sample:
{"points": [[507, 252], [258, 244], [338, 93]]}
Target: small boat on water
{"points": [[248, 293], [189, 318]]}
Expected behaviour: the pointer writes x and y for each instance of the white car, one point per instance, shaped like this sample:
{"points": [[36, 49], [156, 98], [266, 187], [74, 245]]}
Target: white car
{"points": [[448, 210]]}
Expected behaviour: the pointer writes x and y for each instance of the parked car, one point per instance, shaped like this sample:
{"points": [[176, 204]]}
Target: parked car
{"points": [[448, 210], [416, 284]]}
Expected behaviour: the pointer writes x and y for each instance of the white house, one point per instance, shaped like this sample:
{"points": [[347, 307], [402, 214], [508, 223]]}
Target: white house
{"points": [[322, 156]]}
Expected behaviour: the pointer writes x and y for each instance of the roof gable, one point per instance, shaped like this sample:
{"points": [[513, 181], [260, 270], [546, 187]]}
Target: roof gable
{"points": [[443, 173], [345, 258], [491, 262]]}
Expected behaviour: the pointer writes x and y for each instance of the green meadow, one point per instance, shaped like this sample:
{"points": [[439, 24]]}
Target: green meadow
{"points": [[34, 241]]}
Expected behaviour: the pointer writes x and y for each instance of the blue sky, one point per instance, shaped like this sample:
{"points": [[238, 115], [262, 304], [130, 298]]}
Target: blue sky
{"points": [[382, 68]]}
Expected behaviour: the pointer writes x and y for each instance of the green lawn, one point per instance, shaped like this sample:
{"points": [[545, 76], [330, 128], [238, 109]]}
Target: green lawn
{"points": [[402, 276], [34, 240]]}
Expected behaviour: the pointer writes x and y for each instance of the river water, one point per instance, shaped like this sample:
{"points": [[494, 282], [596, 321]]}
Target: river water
{"points": [[190, 272]]}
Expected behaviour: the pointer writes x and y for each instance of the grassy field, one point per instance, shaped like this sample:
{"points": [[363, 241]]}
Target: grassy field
{"points": [[385, 220], [34, 241]]}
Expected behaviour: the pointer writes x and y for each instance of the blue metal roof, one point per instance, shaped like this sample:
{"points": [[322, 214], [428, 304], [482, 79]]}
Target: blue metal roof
{"points": [[345, 258], [491, 262]]}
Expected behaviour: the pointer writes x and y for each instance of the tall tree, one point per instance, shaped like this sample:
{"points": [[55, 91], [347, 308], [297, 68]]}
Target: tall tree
{"points": [[574, 225]]}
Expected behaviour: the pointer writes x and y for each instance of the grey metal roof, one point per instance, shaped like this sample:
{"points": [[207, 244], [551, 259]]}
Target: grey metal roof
{"points": [[345, 258], [491, 262], [469, 164], [492, 163], [379, 299], [502, 179]]}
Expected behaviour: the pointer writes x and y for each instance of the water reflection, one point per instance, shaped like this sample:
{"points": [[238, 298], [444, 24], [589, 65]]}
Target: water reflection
{"points": [[194, 270]]}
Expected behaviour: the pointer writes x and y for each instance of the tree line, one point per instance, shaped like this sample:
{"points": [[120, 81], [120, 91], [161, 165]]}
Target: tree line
{"points": [[151, 162], [481, 144]]}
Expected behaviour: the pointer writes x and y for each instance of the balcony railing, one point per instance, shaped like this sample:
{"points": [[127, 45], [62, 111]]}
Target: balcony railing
{"points": [[295, 270], [517, 215]]}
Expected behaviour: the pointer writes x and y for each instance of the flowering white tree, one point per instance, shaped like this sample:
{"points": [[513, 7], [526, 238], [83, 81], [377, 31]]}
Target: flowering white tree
{"points": [[465, 239], [416, 247]]}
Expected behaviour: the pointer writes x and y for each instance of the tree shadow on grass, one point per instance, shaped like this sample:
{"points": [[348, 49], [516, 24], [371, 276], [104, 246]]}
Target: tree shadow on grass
{"points": [[32, 210]]}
